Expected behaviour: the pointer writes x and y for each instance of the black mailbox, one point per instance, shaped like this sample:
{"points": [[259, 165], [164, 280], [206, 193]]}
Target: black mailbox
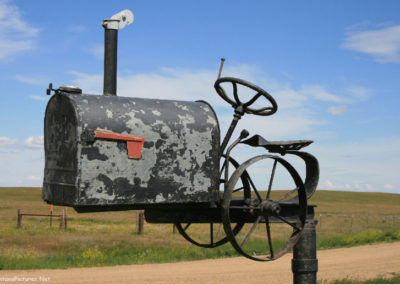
{"points": [[109, 150]]}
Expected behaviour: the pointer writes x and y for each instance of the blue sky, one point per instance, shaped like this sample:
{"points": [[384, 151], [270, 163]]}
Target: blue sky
{"points": [[332, 66]]}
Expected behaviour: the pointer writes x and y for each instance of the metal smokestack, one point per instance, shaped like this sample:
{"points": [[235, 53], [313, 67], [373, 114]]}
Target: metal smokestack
{"points": [[111, 27]]}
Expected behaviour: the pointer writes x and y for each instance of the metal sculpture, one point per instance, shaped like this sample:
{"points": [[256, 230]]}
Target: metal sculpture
{"points": [[104, 153]]}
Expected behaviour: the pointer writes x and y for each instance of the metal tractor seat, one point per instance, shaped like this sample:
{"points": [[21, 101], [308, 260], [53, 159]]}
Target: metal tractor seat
{"points": [[277, 146]]}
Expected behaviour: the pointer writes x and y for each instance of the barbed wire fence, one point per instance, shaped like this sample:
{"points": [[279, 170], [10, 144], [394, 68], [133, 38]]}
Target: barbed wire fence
{"points": [[352, 220]]}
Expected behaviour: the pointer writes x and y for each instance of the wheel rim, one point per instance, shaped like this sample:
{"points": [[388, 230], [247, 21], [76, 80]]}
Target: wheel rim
{"points": [[263, 207]]}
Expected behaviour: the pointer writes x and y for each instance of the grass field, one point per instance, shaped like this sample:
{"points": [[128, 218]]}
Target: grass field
{"points": [[394, 280], [97, 239]]}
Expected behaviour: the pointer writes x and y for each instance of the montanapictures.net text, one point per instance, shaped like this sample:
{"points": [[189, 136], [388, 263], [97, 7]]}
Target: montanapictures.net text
{"points": [[25, 279]]}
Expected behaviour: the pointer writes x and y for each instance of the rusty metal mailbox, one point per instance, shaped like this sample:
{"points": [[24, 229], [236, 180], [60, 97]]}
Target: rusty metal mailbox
{"points": [[109, 150]]}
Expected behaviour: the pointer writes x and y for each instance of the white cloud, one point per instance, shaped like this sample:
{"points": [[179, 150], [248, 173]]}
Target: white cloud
{"points": [[361, 166], [96, 50], [167, 83], [33, 178], [90, 84], [388, 186], [328, 184], [30, 80], [11, 47], [34, 142], [382, 44], [16, 35], [39, 98], [369, 187], [337, 110], [21, 167], [7, 142], [358, 93], [76, 28], [318, 92]]}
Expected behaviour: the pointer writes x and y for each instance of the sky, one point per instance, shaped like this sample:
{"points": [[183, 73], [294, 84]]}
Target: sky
{"points": [[332, 66]]}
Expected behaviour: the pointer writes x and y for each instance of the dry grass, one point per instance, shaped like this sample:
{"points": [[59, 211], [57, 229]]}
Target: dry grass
{"points": [[111, 238]]}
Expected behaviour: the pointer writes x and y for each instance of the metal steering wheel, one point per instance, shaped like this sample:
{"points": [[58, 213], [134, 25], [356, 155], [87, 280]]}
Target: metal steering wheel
{"points": [[264, 111]]}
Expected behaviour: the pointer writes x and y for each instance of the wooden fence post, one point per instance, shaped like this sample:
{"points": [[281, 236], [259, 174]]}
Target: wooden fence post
{"points": [[65, 220], [62, 219], [352, 220], [19, 219]]}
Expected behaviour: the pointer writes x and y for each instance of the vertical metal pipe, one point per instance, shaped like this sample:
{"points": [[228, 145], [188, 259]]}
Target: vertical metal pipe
{"points": [[110, 62], [305, 262]]}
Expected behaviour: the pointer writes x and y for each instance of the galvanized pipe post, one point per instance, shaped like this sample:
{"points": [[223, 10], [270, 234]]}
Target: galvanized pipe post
{"points": [[305, 262], [110, 61], [111, 27]]}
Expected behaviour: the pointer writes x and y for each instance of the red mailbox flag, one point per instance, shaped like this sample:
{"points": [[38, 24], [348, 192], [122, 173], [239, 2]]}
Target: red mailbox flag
{"points": [[134, 143]]}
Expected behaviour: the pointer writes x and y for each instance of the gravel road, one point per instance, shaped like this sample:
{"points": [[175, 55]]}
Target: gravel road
{"points": [[363, 262]]}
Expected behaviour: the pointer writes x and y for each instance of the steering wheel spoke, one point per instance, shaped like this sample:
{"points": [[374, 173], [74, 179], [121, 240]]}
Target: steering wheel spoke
{"points": [[235, 93]]}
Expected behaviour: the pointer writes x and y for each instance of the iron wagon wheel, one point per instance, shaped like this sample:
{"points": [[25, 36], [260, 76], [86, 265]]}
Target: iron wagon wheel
{"points": [[268, 213], [217, 237]]}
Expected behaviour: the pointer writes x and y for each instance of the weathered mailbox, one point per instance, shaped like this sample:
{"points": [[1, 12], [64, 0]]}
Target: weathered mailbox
{"points": [[107, 153], [109, 150]]}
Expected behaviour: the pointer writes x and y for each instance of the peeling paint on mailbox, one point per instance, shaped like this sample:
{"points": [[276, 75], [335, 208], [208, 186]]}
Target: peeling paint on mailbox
{"points": [[179, 161]]}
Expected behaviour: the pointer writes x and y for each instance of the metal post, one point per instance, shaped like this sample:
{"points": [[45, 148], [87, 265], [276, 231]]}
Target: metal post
{"points": [[19, 219], [111, 27], [110, 62], [305, 262]]}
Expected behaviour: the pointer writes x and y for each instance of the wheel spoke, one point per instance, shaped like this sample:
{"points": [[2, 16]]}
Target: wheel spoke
{"points": [[287, 222], [222, 168], [271, 179], [237, 189], [255, 189], [251, 231], [271, 249], [287, 194], [187, 226]]}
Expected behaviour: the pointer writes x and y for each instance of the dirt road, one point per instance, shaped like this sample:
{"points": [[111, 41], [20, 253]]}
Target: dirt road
{"points": [[362, 262]]}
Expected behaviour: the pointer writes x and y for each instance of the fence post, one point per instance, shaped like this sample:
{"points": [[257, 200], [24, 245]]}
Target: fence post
{"points": [[65, 219], [62, 219], [320, 220], [19, 219]]}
